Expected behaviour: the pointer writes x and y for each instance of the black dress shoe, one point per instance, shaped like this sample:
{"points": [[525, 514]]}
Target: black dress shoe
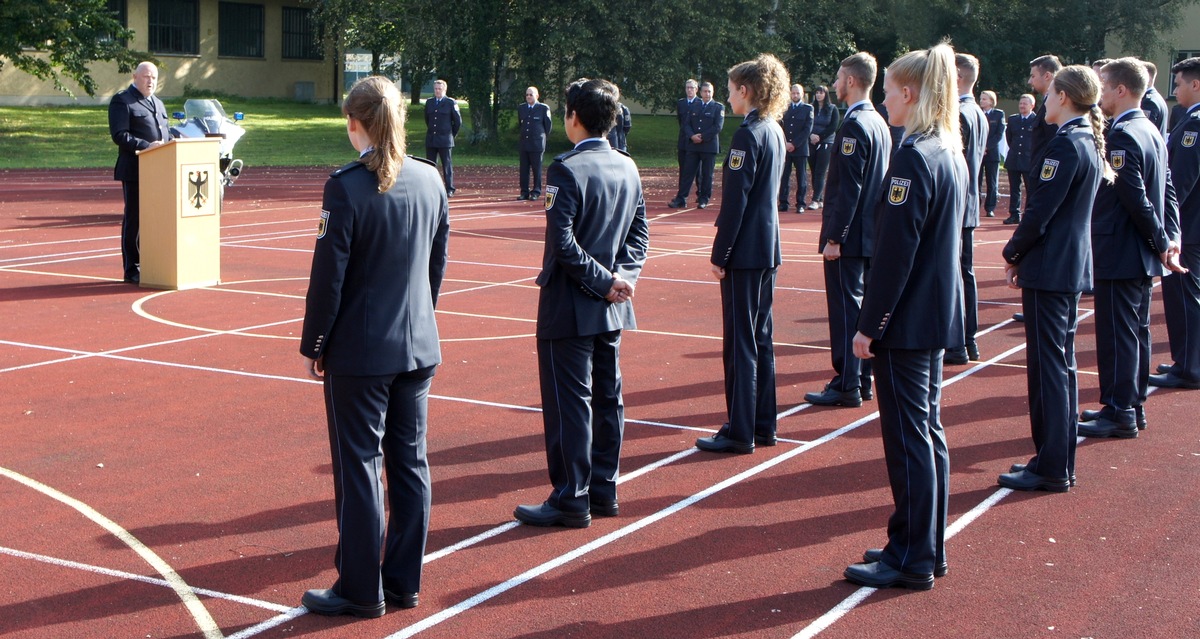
{"points": [[831, 397], [327, 602], [1104, 427], [956, 356], [876, 554], [604, 507], [721, 444], [524, 196], [877, 574], [1171, 380], [1092, 415], [991, 214], [401, 599], [1012, 218], [133, 279], [702, 204], [973, 352], [765, 440], [1019, 317], [1016, 468], [676, 203], [1164, 368], [783, 208], [547, 515], [534, 195], [866, 393], [1025, 480]]}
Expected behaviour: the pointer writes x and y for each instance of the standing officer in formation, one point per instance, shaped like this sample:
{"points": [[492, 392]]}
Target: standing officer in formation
{"points": [[1050, 260], [596, 242], [1019, 161], [703, 133], [1041, 73], [991, 154], [975, 134], [746, 255], [683, 113], [1153, 104], [912, 311], [1130, 242], [848, 224], [534, 124], [442, 121], [370, 334], [1181, 291], [618, 136], [137, 120], [797, 126]]}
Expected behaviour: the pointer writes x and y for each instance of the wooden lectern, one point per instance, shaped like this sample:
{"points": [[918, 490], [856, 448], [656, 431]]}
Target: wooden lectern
{"points": [[180, 192]]}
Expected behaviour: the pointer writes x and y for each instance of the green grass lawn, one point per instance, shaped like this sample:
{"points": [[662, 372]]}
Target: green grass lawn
{"points": [[290, 134]]}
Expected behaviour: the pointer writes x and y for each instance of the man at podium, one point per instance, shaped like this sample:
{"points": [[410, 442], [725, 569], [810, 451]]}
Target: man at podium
{"points": [[137, 121]]}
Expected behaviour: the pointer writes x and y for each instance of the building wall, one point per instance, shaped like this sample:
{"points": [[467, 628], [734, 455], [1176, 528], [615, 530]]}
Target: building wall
{"points": [[268, 77]]}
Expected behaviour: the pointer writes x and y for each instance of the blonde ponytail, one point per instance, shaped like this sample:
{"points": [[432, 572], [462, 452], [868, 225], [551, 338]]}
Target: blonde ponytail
{"points": [[933, 75]]}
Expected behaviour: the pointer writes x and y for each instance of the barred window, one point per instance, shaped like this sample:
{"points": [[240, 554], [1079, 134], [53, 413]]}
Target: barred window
{"points": [[119, 10], [300, 35], [175, 26], [240, 30]]}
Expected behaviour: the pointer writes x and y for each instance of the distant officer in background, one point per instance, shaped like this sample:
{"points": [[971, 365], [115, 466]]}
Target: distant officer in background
{"points": [[1153, 104], [1041, 73], [1181, 291], [137, 120], [1018, 163], [442, 121], [703, 131], [618, 136], [683, 113], [797, 126], [534, 124], [974, 133], [991, 154]]}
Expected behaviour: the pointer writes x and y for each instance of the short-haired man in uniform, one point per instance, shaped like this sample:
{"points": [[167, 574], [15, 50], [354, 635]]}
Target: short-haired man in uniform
{"points": [[596, 242], [1153, 104], [974, 127], [1041, 74], [442, 121], [1181, 291], [1130, 246], [534, 124], [137, 120], [618, 136], [703, 132], [991, 153], [1019, 161], [683, 113], [797, 126], [847, 242]]}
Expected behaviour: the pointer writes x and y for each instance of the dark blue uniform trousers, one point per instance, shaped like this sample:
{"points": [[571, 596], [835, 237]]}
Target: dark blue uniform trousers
{"points": [[377, 427], [1181, 301], [130, 228], [446, 154], [747, 296], [531, 162], [798, 161], [697, 168], [845, 284], [909, 388], [966, 265], [1123, 346], [1051, 320], [583, 417]]}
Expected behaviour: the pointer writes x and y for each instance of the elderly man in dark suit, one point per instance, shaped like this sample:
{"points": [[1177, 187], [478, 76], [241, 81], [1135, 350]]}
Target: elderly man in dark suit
{"points": [[703, 132], [797, 126], [1019, 134], [683, 113], [596, 242], [137, 120], [534, 124], [442, 122]]}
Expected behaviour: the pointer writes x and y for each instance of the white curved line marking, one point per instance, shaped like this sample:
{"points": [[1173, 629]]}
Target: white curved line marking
{"points": [[203, 620]]}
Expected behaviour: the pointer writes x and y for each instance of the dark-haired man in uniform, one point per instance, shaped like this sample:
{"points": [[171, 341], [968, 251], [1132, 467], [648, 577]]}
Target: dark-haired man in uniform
{"points": [[703, 132], [442, 121], [1153, 104], [1041, 74], [797, 126], [596, 242]]}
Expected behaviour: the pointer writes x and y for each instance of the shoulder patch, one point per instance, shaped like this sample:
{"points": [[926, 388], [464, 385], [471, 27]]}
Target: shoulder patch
{"points": [[898, 191], [1189, 139], [563, 157], [551, 192], [353, 165], [323, 224], [737, 158], [1117, 159], [848, 145], [853, 116], [422, 160], [1049, 169]]}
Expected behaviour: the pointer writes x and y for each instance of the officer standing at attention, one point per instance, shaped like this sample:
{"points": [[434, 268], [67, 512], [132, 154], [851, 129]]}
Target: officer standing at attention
{"points": [[703, 132], [369, 333], [442, 121], [975, 134], [991, 154], [848, 224], [1130, 247], [1041, 73], [1181, 291], [797, 126], [1050, 260], [534, 124], [746, 255], [596, 242], [683, 113], [912, 310], [1153, 104], [1019, 161], [618, 136], [137, 120]]}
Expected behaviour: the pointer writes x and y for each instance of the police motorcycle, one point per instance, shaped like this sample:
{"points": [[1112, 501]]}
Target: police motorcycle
{"points": [[206, 119]]}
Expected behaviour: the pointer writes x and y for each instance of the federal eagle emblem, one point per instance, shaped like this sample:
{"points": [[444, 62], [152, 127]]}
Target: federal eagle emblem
{"points": [[898, 191], [1049, 169], [198, 188], [848, 145], [1117, 159], [322, 224], [1189, 139], [551, 191], [737, 158]]}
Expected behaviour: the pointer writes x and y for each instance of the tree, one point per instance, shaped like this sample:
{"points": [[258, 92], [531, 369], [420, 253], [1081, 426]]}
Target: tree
{"points": [[52, 38]]}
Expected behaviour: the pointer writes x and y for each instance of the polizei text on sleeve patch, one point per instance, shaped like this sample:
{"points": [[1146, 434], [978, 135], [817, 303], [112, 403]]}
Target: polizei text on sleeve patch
{"points": [[898, 191], [737, 158], [551, 191], [322, 224], [1049, 170]]}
